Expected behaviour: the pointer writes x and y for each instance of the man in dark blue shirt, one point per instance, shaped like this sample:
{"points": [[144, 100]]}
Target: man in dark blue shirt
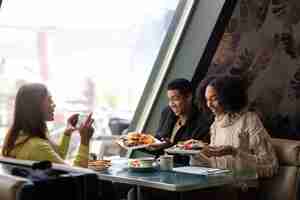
{"points": [[181, 120]]}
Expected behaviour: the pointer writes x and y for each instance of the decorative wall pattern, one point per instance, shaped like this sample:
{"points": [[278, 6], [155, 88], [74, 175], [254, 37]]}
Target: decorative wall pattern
{"points": [[262, 44]]}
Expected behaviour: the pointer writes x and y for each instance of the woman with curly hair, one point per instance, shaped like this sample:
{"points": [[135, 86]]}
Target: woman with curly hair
{"points": [[238, 139], [237, 136]]}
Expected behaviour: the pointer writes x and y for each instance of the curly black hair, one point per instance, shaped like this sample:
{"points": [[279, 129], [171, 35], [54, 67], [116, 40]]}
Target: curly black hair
{"points": [[231, 91]]}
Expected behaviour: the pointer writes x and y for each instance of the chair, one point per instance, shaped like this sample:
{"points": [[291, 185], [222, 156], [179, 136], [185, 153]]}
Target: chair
{"points": [[10, 186], [285, 184], [21, 180], [118, 125]]}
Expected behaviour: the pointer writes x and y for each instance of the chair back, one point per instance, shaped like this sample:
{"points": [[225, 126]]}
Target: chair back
{"points": [[285, 184], [10, 186]]}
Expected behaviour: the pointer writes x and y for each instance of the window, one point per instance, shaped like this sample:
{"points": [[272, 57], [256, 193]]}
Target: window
{"points": [[93, 56]]}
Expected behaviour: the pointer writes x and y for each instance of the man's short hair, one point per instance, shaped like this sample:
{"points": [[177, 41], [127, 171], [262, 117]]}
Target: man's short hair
{"points": [[184, 86]]}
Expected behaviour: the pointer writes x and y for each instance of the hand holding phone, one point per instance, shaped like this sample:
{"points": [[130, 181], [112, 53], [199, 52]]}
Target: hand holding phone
{"points": [[71, 123], [85, 128], [73, 120]]}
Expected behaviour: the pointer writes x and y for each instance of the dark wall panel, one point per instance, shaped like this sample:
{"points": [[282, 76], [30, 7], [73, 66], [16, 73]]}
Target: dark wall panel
{"points": [[261, 43]]}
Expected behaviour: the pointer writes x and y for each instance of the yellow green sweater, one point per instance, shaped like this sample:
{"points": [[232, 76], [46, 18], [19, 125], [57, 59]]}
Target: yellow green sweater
{"points": [[39, 149]]}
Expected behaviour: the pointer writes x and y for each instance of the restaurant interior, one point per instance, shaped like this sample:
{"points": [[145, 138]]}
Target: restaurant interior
{"points": [[258, 41]]}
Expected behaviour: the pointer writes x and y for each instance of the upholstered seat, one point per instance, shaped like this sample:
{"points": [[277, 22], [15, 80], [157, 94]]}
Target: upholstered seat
{"points": [[10, 186], [18, 188], [284, 185]]}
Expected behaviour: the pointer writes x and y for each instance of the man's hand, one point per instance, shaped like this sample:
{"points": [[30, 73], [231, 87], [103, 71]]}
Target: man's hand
{"points": [[157, 146], [191, 141]]}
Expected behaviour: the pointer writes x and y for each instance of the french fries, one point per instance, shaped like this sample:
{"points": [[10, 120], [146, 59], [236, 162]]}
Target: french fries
{"points": [[135, 139]]}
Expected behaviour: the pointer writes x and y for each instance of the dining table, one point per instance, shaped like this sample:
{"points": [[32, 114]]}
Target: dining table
{"points": [[173, 181]]}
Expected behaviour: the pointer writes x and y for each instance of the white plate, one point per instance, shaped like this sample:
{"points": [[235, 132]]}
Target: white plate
{"points": [[121, 143], [176, 150]]}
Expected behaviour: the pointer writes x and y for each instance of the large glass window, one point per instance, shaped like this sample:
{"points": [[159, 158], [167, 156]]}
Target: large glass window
{"points": [[93, 55]]}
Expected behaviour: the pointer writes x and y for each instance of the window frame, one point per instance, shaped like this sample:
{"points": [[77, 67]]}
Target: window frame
{"points": [[162, 65]]}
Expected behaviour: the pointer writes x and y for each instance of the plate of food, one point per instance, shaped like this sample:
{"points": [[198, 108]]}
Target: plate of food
{"points": [[189, 147], [99, 165], [135, 140]]}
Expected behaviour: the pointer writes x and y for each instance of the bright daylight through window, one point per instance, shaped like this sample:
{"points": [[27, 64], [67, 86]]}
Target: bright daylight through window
{"points": [[93, 55]]}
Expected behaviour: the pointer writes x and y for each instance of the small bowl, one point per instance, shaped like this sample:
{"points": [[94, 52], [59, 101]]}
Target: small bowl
{"points": [[145, 162]]}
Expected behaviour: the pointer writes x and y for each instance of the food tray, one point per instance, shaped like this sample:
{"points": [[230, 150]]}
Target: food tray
{"points": [[121, 143]]}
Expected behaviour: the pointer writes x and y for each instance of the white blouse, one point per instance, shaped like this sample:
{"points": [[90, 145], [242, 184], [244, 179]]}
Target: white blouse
{"points": [[246, 133]]}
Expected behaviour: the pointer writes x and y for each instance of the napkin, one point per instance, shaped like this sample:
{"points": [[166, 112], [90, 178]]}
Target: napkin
{"points": [[200, 170]]}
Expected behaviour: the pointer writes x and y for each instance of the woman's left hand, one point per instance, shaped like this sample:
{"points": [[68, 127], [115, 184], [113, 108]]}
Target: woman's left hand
{"points": [[71, 123], [218, 151]]}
